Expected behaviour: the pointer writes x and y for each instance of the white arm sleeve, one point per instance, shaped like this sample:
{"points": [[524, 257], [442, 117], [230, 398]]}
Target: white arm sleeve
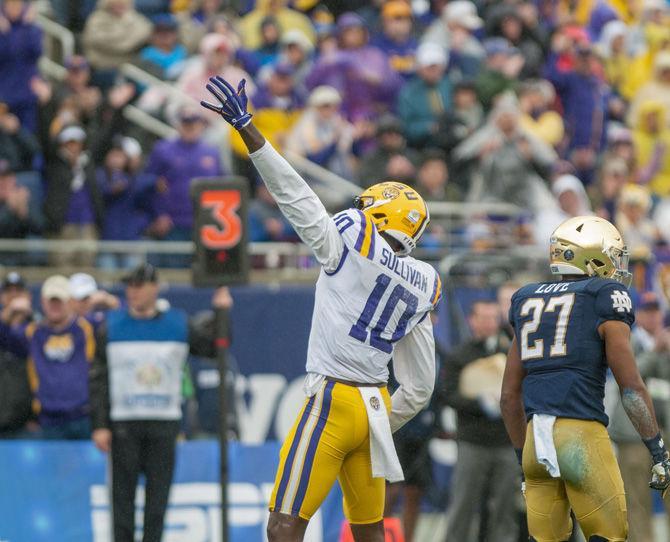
{"points": [[300, 205], [414, 369]]}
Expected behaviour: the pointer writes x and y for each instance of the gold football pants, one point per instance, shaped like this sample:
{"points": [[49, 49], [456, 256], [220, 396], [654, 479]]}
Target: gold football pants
{"points": [[330, 441], [590, 484]]}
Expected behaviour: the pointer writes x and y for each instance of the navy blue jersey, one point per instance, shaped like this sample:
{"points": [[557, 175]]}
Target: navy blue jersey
{"points": [[556, 327]]}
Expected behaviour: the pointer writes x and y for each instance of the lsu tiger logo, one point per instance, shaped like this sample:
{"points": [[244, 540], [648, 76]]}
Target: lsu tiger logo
{"points": [[59, 347]]}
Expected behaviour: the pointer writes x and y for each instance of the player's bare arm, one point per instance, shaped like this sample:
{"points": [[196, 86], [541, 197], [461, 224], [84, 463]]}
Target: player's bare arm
{"points": [[511, 401], [635, 397]]}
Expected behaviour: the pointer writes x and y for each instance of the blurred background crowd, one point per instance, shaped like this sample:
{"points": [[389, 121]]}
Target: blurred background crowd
{"points": [[507, 116], [555, 108]]}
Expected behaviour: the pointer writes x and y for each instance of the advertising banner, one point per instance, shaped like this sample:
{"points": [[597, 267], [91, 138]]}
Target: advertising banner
{"points": [[57, 491]]}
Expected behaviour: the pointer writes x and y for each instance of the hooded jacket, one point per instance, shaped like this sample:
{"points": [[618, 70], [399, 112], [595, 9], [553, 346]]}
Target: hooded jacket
{"points": [[653, 90]]}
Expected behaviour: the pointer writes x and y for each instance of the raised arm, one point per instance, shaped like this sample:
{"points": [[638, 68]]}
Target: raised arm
{"points": [[635, 397], [414, 369], [299, 204]]}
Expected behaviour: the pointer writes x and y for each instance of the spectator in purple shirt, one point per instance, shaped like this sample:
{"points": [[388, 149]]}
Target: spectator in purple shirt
{"points": [[584, 98], [20, 48], [60, 349], [124, 218], [360, 72], [396, 38], [175, 162]]}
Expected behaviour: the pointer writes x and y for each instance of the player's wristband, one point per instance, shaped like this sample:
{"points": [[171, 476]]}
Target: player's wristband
{"points": [[519, 454], [656, 448]]}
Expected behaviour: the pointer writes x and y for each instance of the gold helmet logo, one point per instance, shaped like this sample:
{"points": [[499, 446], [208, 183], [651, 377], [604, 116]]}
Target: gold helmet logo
{"points": [[390, 192]]}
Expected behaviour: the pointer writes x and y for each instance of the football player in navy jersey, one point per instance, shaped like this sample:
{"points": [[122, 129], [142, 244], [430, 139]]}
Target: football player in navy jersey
{"points": [[566, 334]]}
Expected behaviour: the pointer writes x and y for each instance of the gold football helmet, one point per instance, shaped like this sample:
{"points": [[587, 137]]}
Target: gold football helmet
{"points": [[588, 245], [396, 209]]}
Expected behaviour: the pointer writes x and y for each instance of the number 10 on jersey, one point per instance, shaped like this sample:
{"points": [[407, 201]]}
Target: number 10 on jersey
{"points": [[360, 329]]}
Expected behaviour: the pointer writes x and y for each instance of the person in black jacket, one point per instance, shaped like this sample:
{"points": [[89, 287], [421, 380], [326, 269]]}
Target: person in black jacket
{"points": [[486, 473], [73, 205], [15, 395]]}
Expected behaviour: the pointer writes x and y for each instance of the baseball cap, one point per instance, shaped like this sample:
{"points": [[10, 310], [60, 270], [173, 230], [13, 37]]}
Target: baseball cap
{"points": [[396, 9], [296, 37], [324, 95], [142, 273], [498, 46], [56, 286], [72, 133], [131, 147], [463, 13], [284, 69], [215, 42], [189, 113], [389, 123], [82, 285], [76, 62], [349, 20], [13, 279], [164, 21], [431, 54]]}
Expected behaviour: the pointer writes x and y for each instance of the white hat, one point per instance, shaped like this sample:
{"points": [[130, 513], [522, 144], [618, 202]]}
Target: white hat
{"points": [[82, 285], [463, 13], [71, 133], [131, 147], [56, 286], [324, 95], [430, 54], [296, 37]]}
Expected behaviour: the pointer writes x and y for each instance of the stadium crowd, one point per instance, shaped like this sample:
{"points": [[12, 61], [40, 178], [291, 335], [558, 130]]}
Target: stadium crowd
{"points": [[560, 108]]}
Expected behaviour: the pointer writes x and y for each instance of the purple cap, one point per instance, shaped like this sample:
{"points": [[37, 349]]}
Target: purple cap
{"points": [[499, 46], [285, 69], [349, 20], [76, 62]]}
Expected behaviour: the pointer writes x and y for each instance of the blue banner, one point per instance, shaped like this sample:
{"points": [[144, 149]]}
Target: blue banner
{"points": [[57, 491]]}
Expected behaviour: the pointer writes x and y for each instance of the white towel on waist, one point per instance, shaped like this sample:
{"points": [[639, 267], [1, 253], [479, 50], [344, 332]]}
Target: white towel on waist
{"points": [[545, 450], [384, 459]]}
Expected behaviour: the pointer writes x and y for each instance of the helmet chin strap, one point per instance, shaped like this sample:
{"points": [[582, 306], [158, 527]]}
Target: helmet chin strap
{"points": [[392, 241]]}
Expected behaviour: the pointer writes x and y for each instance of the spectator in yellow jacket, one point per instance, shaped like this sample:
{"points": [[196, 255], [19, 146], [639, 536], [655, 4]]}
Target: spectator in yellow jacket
{"points": [[652, 147], [537, 117], [288, 19], [625, 68], [658, 88]]}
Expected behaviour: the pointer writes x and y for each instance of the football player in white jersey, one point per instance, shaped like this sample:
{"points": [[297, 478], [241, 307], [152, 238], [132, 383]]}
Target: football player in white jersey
{"points": [[372, 303]]}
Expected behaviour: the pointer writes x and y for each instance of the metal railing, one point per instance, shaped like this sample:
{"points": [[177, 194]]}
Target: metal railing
{"points": [[338, 188], [58, 32]]}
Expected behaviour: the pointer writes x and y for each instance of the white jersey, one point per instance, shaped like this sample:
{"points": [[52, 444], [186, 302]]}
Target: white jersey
{"points": [[370, 304], [367, 304]]}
